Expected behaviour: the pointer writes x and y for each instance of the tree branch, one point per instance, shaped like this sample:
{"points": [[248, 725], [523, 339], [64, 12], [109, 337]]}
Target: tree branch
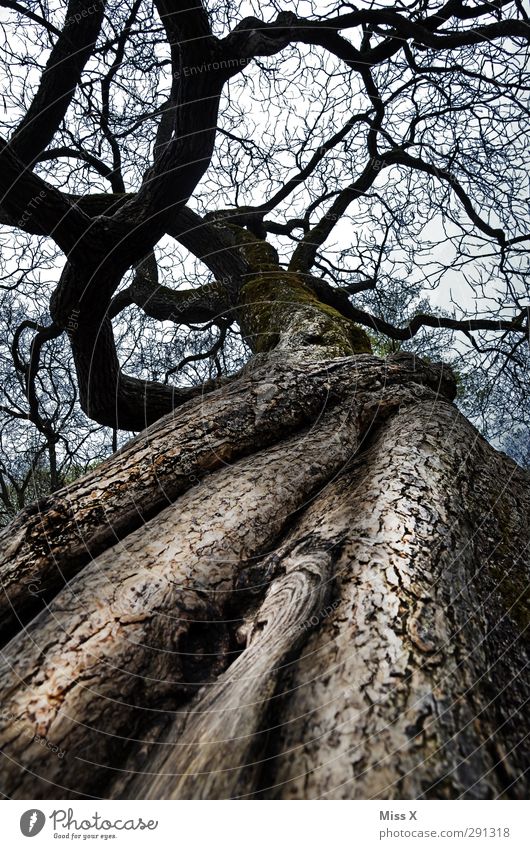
{"points": [[59, 79], [32, 16], [339, 299], [32, 204], [184, 306]]}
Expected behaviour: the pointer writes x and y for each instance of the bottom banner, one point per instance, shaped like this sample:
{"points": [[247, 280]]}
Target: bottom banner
{"points": [[362, 824]]}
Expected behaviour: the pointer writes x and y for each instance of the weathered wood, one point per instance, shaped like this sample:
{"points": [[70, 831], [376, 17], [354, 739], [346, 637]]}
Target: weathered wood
{"points": [[385, 659], [211, 753], [416, 685], [47, 543], [112, 647]]}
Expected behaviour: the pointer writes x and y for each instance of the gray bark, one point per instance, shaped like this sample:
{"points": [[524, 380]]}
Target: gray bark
{"points": [[316, 591]]}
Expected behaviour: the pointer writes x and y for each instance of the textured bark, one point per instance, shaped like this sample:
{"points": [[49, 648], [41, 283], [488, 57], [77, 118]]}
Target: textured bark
{"points": [[416, 686], [337, 610], [278, 309], [47, 543]]}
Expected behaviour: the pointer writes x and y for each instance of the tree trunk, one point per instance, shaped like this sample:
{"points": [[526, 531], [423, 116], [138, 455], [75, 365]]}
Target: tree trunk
{"points": [[308, 584]]}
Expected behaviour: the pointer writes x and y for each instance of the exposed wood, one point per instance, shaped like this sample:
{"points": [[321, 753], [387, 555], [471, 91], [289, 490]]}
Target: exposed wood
{"points": [[413, 678], [211, 753], [47, 543], [114, 635]]}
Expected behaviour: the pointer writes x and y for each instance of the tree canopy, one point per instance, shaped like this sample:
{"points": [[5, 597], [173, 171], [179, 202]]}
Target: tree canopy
{"points": [[159, 160]]}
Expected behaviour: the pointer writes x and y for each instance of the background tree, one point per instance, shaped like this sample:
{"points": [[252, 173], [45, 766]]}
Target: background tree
{"points": [[307, 576]]}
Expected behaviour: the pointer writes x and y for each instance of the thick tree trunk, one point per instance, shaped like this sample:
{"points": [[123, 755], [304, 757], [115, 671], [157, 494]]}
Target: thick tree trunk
{"points": [[310, 583]]}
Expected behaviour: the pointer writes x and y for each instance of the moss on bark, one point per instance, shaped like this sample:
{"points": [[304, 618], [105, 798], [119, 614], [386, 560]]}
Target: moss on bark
{"points": [[278, 309]]}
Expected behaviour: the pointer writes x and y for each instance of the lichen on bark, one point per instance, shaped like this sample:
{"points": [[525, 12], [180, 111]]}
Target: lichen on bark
{"points": [[278, 309]]}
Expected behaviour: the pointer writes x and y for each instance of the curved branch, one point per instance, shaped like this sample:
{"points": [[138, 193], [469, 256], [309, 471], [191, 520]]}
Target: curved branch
{"points": [[60, 78], [308, 169], [32, 205], [32, 16], [325, 33], [112, 398], [71, 153], [181, 163], [304, 255], [400, 157], [29, 370], [253, 37], [183, 306], [339, 299], [205, 355]]}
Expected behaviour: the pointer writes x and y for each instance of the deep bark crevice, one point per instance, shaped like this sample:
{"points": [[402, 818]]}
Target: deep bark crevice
{"points": [[315, 618], [51, 541]]}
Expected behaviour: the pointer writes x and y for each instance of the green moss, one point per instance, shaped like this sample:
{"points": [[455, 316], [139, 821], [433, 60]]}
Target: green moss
{"points": [[258, 305], [260, 255], [361, 343], [276, 299], [275, 302]]}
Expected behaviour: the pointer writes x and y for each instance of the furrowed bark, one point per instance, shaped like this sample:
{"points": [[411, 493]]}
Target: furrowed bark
{"points": [[115, 635], [47, 543], [310, 621], [416, 685], [413, 682]]}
